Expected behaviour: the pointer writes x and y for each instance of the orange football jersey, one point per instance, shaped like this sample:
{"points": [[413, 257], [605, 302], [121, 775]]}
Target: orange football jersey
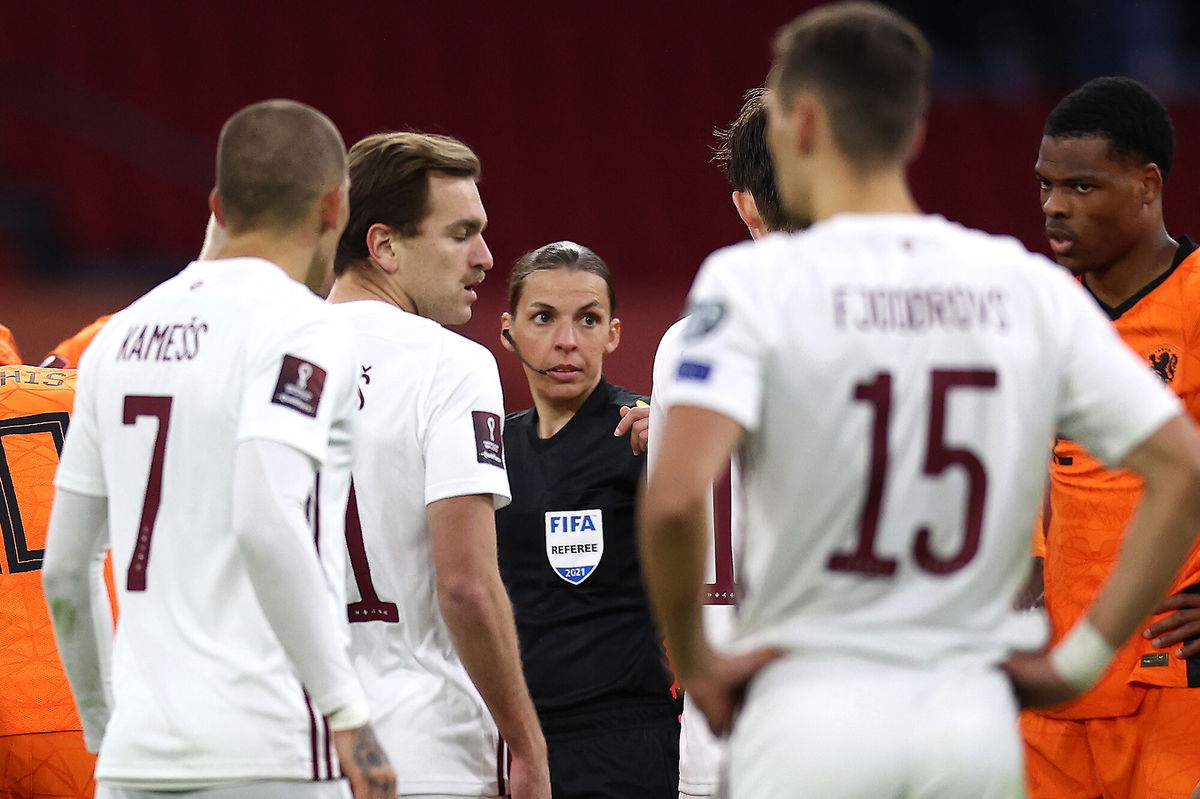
{"points": [[66, 355], [1090, 505], [8, 347], [35, 406]]}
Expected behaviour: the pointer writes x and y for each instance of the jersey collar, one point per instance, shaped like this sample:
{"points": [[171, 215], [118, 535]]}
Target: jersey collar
{"points": [[1186, 248]]}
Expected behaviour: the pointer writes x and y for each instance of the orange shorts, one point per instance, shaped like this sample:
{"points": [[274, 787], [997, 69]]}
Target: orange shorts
{"points": [[47, 765], [1152, 754]]}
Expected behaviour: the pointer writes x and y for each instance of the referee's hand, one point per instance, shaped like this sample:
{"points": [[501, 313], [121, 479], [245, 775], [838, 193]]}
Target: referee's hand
{"points": [[635, 421]]}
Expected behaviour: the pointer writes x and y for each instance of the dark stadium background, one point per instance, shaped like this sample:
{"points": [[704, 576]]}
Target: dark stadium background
{"points": [[593, 122]]}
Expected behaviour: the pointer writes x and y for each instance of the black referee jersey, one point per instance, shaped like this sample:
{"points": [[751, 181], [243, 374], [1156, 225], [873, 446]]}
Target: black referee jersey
{"points": [[568, 556]]}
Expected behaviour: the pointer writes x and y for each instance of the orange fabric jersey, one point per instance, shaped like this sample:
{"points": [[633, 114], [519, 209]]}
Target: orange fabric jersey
{"points": [[35, 405], [8, 347], [1090, 505], [66, 355]]}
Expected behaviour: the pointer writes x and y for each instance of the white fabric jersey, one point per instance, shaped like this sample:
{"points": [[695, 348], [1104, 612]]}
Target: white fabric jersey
{"points": [[898, 377], [702, 755], [227, 351], [430, 411]]}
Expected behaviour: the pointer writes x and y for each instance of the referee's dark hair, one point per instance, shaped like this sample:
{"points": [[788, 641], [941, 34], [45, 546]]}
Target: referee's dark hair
{"points": [[744, 158], [869, 66], [389, 184], [1124, 113], [559, 255]]}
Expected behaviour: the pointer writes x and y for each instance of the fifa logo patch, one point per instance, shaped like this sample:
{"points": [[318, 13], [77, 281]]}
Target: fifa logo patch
{"points": [[574, 543], [299, 386], [489, 444]]}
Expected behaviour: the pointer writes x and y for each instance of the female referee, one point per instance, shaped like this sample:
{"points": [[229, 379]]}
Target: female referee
{"points": [[593, 659]]}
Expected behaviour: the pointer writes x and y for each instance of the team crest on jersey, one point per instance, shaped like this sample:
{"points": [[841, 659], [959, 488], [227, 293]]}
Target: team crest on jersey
{"points": [[1164, 361], [704, 318], [489, 443], [574, 543], [300, 385]]}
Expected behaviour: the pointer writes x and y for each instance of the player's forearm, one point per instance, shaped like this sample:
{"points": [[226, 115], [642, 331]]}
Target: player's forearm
{"points": [[270, 491], [479, 616], [673, 546], [79, 612]]}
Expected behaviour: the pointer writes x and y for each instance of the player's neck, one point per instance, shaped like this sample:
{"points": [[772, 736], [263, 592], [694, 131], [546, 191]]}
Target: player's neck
{"points": [[363, 282], [1117, 282], [291, 253], [841, 190]]}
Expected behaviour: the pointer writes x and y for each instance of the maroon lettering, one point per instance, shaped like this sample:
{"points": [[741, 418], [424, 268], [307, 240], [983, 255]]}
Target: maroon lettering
{"points": [[939, 457], [370, 607], [863, 559], [159, 408]]}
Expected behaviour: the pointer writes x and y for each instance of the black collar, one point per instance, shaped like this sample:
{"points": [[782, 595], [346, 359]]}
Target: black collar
{"points": [[1186, 248], [594, 405]]}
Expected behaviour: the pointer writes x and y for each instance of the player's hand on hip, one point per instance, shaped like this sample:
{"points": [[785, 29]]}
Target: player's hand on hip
{"points": [[720, 689], [635, 421], [1180, 626], [529, 777], [364, 763], [1035, 681]]}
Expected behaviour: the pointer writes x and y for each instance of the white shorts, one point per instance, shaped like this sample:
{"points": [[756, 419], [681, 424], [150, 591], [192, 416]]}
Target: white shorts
{"points": [[258, 789], [855, 729]]}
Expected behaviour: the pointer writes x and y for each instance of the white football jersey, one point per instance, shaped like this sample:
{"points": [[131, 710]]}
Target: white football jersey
{"points": [[898, 378], [431, 414], [226, 351], [702, 755]]}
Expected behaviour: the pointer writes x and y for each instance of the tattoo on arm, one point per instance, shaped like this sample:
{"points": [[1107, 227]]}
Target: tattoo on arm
{"points": [[368, 755]]}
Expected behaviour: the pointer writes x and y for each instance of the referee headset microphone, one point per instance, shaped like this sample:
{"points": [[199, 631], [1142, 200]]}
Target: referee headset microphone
{"points": [[517, 350]]}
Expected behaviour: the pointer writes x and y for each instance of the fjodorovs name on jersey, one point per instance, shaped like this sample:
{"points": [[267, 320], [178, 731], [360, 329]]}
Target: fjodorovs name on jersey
{"points": [[917, 309]]}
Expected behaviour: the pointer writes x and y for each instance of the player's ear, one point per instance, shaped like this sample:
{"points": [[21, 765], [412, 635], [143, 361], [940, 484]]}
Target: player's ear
{"points": [[614, 336], [214, 205], [1151, 183], [382, 246], [805, 122], [506, 331], [214, 238], [747, 209], [334, 203], [918, 141]]}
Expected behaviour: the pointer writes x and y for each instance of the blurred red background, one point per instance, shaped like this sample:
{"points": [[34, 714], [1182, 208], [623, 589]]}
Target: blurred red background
{"points": [[593, 123]]}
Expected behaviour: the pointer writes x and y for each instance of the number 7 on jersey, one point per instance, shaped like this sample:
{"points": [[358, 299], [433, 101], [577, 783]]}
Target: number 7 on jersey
{"points": [[159, 408]]}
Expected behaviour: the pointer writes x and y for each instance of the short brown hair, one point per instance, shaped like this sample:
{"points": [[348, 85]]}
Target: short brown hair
{"points": [[870, 68], [274, 159], [559, 255], [746, 161], [389, 185]]}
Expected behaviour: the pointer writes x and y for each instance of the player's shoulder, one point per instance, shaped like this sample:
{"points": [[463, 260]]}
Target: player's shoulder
{"points": [[997, 250], [458, 348], [1189, 265], [671, 341], [26, 390], [114, 329]]}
